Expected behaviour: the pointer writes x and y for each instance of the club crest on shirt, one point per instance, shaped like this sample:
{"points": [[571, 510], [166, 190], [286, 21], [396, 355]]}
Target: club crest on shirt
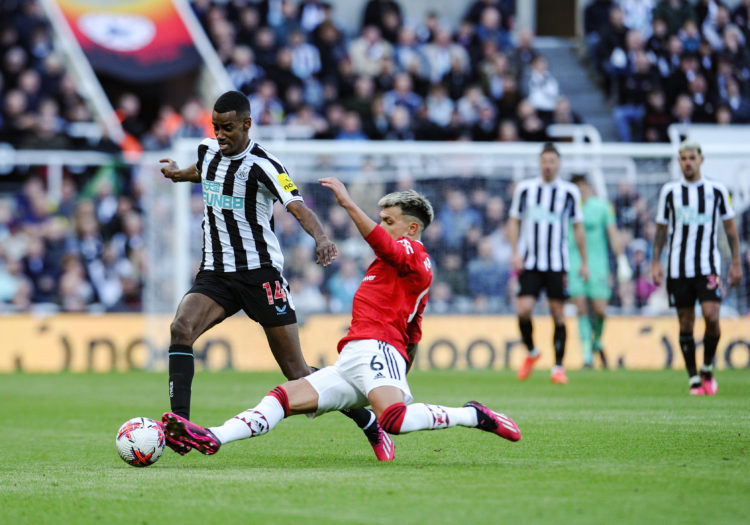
{"points": [[242, 173]]}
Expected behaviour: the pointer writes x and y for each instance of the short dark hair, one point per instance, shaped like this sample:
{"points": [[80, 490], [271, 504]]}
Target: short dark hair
{"points": [[233, 101], [579, 178], [549, 148]]}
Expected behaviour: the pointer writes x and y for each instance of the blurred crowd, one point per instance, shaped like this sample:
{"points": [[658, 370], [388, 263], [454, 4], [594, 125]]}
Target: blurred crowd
{"points": [[84, 253], [40, 105], [387, 78], [671, 61], [87, 252], [470, 251]]}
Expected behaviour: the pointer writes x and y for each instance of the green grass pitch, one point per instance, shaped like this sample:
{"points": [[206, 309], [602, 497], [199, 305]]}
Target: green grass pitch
{"points": [[610, 447]]}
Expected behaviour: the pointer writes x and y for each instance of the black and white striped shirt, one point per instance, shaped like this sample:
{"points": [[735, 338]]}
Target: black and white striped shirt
{"points": [[692, 211], [545, 210], [238, 197]]}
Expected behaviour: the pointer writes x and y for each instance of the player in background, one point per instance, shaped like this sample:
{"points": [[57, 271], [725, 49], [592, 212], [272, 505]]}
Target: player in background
{"points": [[242, 260], [375, 353], [601, 233], [540, 213], [689, 211]]}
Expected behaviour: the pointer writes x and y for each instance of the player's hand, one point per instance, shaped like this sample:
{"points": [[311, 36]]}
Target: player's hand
{"points": [[171, 170], [517, 261], [338, 189], [326, 251], [584, 271], [657, 273], [624, 271], [735, 274]]}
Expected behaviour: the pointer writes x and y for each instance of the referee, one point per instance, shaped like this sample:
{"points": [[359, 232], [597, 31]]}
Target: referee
{"points": [[537, 230], [689, 211], [242, 259]]}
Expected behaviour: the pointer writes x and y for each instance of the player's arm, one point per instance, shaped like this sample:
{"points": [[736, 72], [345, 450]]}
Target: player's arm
{"points": [[364, 224], [512, 230], [735, 268], [617, 242], [175, 174], [660, 237], [579, 233], [325, 249]]}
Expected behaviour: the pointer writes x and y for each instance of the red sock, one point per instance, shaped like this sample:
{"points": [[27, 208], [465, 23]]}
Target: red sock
{"points": [[280, 394], [392, 418]]}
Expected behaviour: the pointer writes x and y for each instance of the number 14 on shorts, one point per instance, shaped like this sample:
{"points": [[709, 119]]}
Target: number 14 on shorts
{"points": [[272, 295]]}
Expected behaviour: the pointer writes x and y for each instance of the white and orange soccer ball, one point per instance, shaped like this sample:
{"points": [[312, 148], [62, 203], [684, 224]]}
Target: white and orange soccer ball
{"points": [[140, 441]]}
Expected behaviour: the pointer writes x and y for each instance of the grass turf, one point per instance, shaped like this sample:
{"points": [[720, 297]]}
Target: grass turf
{"points": [[610, 447]]}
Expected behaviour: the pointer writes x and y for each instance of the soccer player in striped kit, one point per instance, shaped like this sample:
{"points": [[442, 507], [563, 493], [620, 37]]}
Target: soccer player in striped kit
{"points": [[375, 354], [688, 214], [540, 213], [242, 260]]}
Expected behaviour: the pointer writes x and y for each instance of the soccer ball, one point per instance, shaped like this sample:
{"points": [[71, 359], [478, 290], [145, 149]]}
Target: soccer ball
{"points": [[140, 441]]}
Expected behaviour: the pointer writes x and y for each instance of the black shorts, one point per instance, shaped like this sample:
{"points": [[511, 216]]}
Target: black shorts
{"points": [[683, 292], [263, 294], [531, 282]]}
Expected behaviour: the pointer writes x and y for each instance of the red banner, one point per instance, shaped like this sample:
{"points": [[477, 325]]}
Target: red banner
{"points": [[139, 41]]}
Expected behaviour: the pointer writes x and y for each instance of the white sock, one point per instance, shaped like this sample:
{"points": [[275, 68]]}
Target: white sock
{"points": [[421, 416], [250, 423], [707, 369]]}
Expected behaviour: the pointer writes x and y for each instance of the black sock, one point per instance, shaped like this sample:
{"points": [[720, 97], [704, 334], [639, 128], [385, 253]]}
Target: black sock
{"points": [[181, 371], [710, 342], [526, 329], [687, 345], [361, 416], [559, 342]]}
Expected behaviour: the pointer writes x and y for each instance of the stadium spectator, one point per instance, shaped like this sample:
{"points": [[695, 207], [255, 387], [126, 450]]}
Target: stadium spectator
{"points": [[634, 88], [402, 95], [439, 106], [674, 13], [487, 279], [343, 284], [443, 56], [656, 119], [610, 57], [490, 28], [738, 104], [408, 54], [564, 113], [596, 15], [715, 28], [368, 50], [351, 127], [385, 15], [543, 88], [242, 71]]}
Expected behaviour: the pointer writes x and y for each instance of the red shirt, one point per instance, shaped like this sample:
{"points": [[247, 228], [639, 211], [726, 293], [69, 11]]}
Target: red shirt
{"points": [[389, 303]]}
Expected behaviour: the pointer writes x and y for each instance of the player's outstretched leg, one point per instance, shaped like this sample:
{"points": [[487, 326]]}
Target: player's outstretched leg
{"points": [[379, 439], [398, 418], [495, 422], [180, 431]]}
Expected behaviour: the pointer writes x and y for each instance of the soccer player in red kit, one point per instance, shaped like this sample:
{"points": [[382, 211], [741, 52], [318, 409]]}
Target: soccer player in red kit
{"points": [[377, 351]]}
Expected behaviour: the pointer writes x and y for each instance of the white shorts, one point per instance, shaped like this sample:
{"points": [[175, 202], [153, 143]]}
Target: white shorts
{"points": [[362, 366]]}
